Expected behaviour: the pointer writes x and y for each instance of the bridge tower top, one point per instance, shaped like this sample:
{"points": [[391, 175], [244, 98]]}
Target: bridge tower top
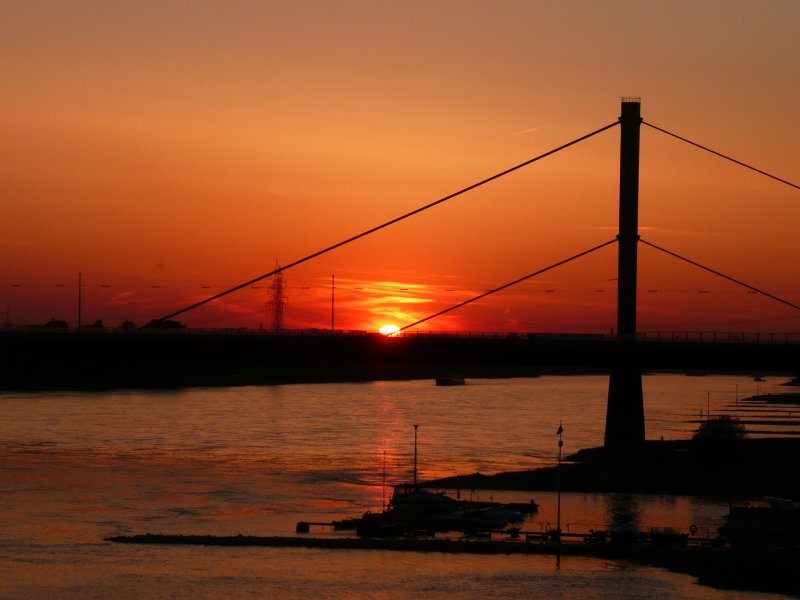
{"points": [[628, 236]]}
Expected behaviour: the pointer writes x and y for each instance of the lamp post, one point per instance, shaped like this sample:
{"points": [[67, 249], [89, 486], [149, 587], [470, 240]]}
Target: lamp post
{"points": [[558, 504], [415, 455]]}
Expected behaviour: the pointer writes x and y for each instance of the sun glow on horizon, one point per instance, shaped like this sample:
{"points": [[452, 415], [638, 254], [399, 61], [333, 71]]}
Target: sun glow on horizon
{"points": [[389, 329], [310, 139]]}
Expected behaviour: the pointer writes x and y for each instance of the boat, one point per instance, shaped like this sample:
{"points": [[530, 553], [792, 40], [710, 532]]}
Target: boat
{"points": [[450, 380], [766, 521], [416, 510], [413, 510]]}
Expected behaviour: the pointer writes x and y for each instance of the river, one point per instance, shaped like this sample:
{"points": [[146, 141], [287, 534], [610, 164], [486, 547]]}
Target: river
{"points": [[79, 466]]}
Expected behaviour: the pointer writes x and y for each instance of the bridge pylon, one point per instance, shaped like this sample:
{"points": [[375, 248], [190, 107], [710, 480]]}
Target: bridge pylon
{"points": [[625, 409]]}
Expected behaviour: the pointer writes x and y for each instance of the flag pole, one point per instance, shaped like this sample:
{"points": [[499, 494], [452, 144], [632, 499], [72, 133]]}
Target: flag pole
{"points": [[558, 505]]}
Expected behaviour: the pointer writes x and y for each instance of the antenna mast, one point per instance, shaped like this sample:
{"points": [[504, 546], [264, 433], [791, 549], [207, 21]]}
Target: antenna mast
{"points": [[277, 301]]}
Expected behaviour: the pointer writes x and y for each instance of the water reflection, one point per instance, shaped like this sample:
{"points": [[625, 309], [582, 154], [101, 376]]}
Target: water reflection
{"points": [[582, 511], [78, 467], [623, 511]]}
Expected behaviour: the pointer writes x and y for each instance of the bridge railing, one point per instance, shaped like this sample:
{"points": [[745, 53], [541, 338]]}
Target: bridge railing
{"points": [[700, 337], [719, 337]]}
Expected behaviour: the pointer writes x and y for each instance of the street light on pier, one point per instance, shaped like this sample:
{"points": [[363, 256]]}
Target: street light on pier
{"points": [[557, 536], [415, 455]]}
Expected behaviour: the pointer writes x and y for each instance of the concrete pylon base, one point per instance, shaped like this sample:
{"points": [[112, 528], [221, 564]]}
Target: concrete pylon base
{"points": [[625, 409]]}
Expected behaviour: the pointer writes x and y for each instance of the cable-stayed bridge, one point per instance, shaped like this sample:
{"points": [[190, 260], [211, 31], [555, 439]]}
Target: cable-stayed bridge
{"points": [[259, 359]]}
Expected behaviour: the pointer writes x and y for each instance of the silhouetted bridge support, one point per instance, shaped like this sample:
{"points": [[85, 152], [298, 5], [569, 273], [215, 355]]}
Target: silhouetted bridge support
{"points": [[625, 410]]}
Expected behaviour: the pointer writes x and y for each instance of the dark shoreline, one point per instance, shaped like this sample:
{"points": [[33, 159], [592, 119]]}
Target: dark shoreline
{"points": [[731, 469], [755, 569]]}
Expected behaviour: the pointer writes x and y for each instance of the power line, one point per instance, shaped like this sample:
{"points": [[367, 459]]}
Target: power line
{"points": [[387, 223], [726, 157], [717, 273], [507, 285]]}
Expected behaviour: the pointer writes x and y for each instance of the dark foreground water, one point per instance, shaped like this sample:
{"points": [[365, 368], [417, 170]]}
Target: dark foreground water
{"points": [[76, 467]]}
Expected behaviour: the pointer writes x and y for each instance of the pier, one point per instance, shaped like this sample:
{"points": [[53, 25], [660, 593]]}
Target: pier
{"points": [[762, 569]]}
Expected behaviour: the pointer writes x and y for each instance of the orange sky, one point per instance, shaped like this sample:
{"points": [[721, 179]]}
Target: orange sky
{"points": [[192, 145]]}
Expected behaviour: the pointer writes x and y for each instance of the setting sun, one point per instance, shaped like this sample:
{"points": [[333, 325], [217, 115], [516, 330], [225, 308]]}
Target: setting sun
{"points": [[389, 329]]}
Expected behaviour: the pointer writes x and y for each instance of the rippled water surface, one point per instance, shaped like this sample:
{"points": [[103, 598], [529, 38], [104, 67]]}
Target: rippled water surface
{"points": [[77, 467]]}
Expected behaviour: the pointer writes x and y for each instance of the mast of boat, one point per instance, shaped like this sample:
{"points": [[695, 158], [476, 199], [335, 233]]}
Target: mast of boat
{"points": [[415, 455], [383, 487]]}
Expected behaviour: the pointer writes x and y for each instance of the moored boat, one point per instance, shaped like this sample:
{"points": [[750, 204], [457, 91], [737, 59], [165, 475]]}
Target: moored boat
{"points": [[450, 380], [413, 509], [766, 521]]}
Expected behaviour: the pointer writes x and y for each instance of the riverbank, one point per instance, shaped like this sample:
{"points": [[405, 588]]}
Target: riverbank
{"points": [[760, 569], [735, 469]]}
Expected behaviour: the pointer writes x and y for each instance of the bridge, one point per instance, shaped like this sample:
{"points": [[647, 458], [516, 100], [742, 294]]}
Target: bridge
{"points": [[259, 358], [67, 359]]}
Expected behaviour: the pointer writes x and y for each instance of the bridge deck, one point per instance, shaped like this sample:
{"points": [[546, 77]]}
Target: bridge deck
{"points": [[141, 358]]}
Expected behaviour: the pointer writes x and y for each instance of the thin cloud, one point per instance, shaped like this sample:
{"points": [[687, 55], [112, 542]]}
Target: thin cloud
{"points": [[123, 297]]}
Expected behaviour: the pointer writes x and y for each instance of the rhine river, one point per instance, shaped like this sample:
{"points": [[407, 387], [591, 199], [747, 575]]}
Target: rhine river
{"points": [[76, 467]]}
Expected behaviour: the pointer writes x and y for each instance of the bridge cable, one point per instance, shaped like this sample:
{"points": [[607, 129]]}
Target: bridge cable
{"points": [[507, 285], [387, 223], [710, 270], [789, 183]]}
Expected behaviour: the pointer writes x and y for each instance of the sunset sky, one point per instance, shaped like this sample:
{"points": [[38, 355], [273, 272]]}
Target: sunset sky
{"points": [[170, 150]]}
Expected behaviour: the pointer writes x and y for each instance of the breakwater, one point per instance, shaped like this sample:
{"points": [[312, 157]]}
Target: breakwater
{"points": [[722, 468], [761, 569]]}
